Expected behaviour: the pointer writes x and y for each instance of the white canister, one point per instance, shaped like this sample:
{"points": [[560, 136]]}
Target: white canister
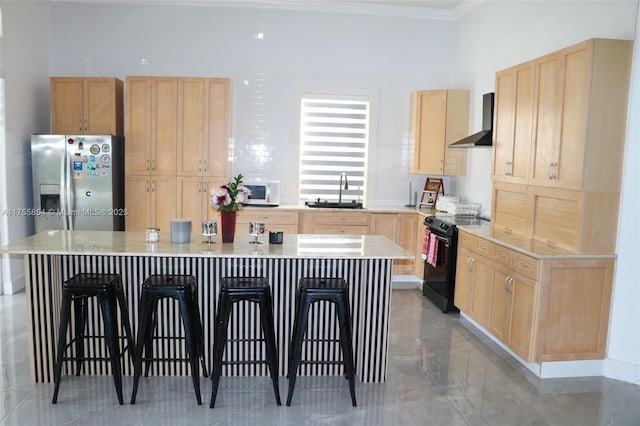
{"points": [[180, 231], [152, 235]]}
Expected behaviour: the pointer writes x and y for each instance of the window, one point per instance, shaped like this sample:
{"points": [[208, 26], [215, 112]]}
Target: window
{"points": [[334, 135]]}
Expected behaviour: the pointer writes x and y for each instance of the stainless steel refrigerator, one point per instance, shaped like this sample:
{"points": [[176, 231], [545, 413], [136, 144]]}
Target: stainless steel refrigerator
{"points": [[78, 182]]}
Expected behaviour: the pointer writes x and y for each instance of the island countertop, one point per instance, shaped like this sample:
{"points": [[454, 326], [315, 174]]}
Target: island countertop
{"points": [[296, 246], [365, 262]]}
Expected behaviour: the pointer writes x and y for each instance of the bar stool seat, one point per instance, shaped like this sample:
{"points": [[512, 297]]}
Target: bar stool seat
{"points": [[182, 288], [311, 290], [240, 289], [76, 291]]}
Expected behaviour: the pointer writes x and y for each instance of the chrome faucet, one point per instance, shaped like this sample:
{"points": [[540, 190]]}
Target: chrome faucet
{"points": [[346, 186]]}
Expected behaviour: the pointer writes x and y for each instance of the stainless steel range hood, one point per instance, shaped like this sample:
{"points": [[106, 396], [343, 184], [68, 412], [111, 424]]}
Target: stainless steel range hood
{"points": [[485, 136]]}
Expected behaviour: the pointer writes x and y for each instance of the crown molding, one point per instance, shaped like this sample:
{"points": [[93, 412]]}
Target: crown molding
{"points": [[327, 6]]}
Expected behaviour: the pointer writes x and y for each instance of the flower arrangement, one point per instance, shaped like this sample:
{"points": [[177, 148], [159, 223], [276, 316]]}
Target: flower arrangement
{"points": [[229, 197]]}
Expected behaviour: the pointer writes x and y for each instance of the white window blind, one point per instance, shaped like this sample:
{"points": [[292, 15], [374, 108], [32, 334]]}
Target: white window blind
{"points": [[334, 135]]}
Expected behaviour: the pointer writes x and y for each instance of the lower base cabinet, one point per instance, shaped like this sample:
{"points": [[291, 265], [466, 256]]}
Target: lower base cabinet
{"points": [[285, 221], [512, 308], [151, 202], [553, 308], [400, 228]]}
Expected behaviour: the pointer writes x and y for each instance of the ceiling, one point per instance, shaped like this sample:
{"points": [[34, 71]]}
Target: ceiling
{"points": [[433, 9]]}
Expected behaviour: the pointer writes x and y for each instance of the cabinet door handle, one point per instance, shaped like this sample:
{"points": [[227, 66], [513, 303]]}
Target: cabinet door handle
{"points": [[85, 125], [550, 172], [153, 186], [146, 185], [80, 125], [506, 168], [153, 165], [204, 166], [470, 262], [510, 284], [506, 283], [441, 164], [555, 171], [148, 164]]}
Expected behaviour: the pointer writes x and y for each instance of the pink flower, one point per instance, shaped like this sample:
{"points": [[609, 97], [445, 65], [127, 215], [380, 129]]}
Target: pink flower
{"points": [[230, 197]]}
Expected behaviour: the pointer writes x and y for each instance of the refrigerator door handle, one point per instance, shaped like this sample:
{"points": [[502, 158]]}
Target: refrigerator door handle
{"points": [[64, 202], [69, 213]]}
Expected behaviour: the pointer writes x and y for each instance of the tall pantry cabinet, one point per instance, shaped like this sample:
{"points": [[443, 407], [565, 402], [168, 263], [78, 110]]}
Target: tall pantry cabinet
{"points": [[567, 109], [177, 133]]}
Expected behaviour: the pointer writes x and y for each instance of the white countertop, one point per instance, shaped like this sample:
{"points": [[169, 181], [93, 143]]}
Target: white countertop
{"points": [[134, 244], [367, 209], [528, 246]]}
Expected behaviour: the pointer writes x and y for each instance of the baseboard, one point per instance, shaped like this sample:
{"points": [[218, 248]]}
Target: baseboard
{"points": [[620, 370], [405, 282], [609, 368]]}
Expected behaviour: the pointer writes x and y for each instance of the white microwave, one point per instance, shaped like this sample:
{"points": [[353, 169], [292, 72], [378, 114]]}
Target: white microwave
{"points": [[263, 193]]}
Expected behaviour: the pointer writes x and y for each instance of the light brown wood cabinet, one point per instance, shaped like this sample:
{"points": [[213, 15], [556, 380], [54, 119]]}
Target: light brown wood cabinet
{"points": [[578, 118], [354, 222], [400, 228], [274, 220], [151, 202], [194, 199], [178, 128], [512, 209], [438, 118], [513, 123], [86, 106], [562, 218], [151, 126], [550, 309], [580, 114], [204, 123], [473, 278], [513, 300]]}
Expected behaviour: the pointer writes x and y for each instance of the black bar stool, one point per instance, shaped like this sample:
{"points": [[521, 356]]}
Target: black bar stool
{"points": [[77, 290], [183, 288], [238, 289], [310, 290]]}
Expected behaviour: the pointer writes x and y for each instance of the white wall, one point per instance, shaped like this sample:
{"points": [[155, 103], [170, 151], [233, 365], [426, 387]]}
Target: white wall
{"points": [[385, 58], [624, 335], [25, 68], [502, 34]]}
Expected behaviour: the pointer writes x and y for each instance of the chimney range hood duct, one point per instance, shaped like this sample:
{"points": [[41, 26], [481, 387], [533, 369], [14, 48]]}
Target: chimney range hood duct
{"points": [[484, 137]]}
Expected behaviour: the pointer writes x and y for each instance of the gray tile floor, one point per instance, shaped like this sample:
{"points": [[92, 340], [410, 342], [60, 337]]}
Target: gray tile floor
{"points": [[441, 372]]}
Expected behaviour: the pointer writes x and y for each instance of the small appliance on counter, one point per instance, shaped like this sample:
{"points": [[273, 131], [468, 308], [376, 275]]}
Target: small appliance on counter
{"points": [[263, 193], [456, 206]]}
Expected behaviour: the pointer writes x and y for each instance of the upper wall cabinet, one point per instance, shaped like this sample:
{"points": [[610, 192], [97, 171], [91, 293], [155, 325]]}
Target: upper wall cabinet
{"points": [[86, 106], [204, 123], [151, 125], [584, 152], [438, 118], [513, 122]]}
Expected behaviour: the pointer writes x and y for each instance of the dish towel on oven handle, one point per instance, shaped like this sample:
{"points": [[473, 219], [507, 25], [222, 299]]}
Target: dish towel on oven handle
{"points": [[432, 254], [425, 244]]}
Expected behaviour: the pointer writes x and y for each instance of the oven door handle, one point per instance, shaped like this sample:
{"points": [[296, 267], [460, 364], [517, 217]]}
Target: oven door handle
{"points": [[443, 239]]}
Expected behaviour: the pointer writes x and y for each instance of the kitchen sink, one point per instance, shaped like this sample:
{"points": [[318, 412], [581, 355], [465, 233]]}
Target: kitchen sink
{"points": [[324, 204]]}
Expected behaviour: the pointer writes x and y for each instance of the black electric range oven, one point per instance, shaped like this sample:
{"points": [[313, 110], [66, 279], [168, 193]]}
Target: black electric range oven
{"points": [[439, 280]]}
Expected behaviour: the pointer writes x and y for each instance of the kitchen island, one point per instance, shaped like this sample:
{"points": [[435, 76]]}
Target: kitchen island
{"points": [[365, 262]]}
